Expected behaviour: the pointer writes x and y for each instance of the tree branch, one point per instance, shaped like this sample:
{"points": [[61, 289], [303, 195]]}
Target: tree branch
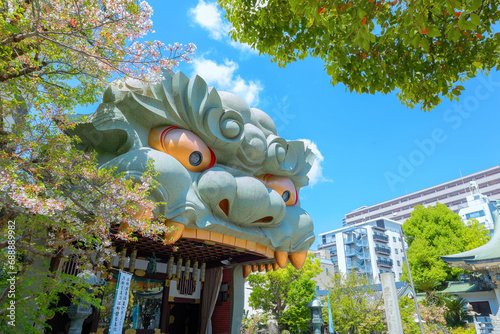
{"points": [[23, 72]]}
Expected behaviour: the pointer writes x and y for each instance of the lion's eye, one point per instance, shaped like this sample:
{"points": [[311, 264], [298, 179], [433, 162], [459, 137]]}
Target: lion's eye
{"points": [[283, 185], [183, 145]]}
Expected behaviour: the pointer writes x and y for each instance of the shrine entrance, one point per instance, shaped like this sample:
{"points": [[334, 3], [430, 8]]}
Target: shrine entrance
{"points": [[184, 318], [165, 293]]}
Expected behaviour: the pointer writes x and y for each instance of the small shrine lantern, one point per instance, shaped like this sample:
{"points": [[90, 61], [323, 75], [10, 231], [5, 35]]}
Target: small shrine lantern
{"points": [[316, 317]]}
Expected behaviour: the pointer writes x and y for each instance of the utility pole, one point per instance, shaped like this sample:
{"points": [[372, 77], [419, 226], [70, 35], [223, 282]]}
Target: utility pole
{"points": [[402, 234]]}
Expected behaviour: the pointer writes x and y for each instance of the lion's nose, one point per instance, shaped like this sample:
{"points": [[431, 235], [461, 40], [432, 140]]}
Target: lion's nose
{"points": [[242, 200]]}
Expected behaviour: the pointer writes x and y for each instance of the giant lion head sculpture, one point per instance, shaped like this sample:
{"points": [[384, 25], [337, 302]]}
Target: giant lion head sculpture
{"points": [[221, 165]]}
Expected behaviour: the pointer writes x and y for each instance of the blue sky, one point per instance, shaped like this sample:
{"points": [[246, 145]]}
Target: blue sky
{"points": [[371, 147]]}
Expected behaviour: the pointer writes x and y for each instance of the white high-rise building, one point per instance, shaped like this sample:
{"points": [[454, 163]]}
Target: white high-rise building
{"points": [[369, 248]]}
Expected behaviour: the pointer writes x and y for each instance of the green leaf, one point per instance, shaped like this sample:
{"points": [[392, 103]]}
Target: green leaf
{"points": [[433, 31], [475, 19], [468, 25], [475, 5], [477, 65], [461, 22], [425, 44], [416, 41]]}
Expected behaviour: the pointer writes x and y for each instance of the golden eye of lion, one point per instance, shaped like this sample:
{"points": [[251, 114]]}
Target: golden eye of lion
{"points": [[184, 146], [283, 185]]}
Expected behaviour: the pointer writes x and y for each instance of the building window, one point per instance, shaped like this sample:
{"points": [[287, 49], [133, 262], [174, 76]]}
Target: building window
{"points": [[396, 250], [326, 270], [403, 259], [394, 239], [324, 239], [476, 214], [399, 263]]}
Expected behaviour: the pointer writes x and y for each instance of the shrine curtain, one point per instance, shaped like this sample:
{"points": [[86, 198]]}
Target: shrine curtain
{"points": [[211, 287]]}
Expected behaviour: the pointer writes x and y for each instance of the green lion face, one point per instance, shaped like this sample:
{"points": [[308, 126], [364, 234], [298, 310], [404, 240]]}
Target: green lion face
{"points": [[221, 165]]}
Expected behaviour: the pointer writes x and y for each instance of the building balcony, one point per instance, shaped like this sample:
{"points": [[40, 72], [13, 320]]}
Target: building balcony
{"points": [[383, 250], [380, 228], [384, 263], [380, 237]]}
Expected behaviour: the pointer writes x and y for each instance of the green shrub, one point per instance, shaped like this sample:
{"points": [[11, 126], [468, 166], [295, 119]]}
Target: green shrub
{"points": [[463, 330]]}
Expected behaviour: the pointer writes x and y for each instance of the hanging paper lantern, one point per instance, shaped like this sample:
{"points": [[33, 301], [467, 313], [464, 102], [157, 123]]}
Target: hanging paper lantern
{"points": [[203, 269], [187, 268], [123, 254], [133, 258], [170, 267], [179, 268], [195, 271]]}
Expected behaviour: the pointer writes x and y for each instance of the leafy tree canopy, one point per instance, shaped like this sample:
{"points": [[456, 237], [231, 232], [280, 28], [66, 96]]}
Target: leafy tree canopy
{"points": [[285, 293], [420, 48], [355, 305], [434, 231]]}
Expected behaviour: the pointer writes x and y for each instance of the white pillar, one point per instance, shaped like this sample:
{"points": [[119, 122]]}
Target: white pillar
{"points": [[495, 319], [391, 306], [497, 293], [237, 298]]}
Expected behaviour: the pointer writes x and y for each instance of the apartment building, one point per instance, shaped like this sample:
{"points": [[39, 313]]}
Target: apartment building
{"points": [[452, 193], [368, 248]]}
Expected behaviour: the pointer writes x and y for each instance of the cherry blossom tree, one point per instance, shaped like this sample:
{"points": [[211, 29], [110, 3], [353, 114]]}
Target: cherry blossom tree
{"points": [[54, 200], [62, 52]]}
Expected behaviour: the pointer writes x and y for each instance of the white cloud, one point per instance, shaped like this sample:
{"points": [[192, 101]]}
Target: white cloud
{"points": [[316, 173], [223, 77], [243, 47], [209, 17]]}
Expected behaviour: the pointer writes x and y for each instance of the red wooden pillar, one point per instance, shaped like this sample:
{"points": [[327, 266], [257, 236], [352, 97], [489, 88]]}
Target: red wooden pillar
{"points": [[165, 309]]}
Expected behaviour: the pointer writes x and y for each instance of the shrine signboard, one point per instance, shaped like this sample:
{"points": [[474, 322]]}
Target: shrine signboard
{"points": [[120, 303]]}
